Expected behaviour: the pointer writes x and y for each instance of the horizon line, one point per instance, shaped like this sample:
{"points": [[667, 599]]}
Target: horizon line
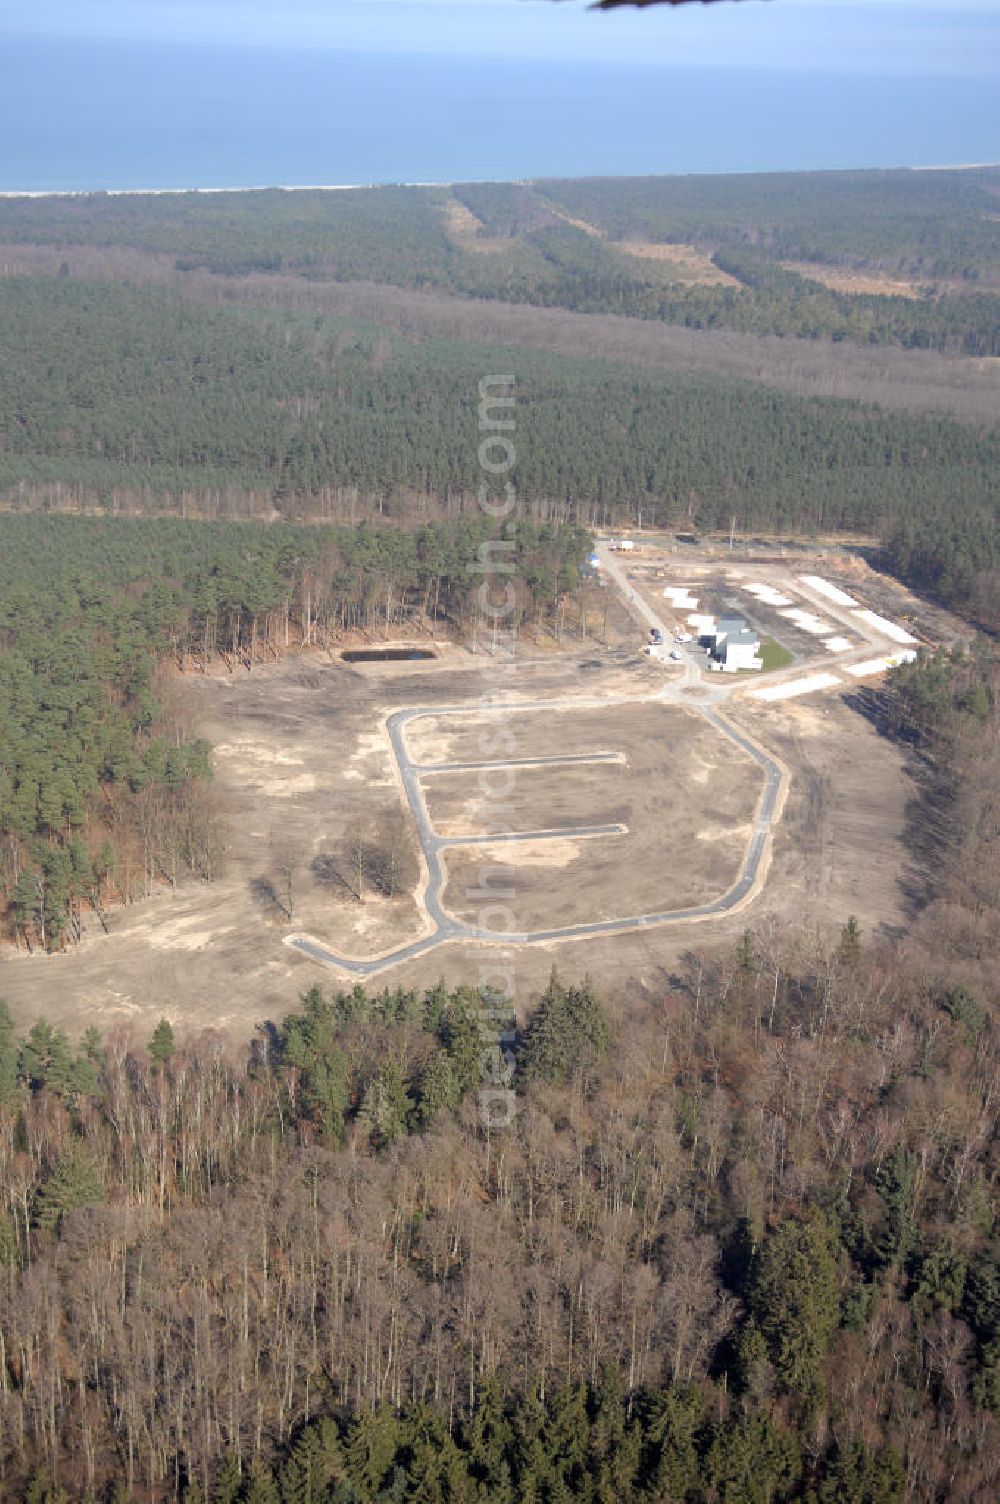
{"points": [[461, 182]]}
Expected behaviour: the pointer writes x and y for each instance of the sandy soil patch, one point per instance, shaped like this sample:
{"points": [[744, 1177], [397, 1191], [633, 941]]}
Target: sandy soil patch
{"points": [[680, 598], [740, 832], [826, 588], [790, 689], [535, 798], [549, 853], [371, 761], [288, 788], [464, 227], [432, 739], [684, 793], [686, 263], [767, 594], [248, 751], [578, 224], [807, 621], [839, 848], [885, 627], [879, 665], [843, 279]]}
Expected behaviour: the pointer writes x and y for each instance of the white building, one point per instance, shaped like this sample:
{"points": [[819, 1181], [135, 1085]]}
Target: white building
{"points": [[734, 646], [740, 651]]}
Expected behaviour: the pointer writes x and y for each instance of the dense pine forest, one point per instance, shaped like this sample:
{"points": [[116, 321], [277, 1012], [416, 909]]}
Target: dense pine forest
{"points": [[134, 396], [558, 244], [133, 399], [104, 790]]}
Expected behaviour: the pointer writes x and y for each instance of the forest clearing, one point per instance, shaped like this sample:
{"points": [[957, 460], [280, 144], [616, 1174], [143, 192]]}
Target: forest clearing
{"points": [[319, 841]]}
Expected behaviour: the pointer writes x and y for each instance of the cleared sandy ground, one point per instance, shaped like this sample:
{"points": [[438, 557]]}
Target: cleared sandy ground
{"points": [[685, 263], [302, 754], [466, 229], [685, 795], [843, 279]]}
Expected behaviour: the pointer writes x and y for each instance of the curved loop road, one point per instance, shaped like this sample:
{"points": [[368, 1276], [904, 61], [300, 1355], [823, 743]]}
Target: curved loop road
{"points": [[447, 928]]}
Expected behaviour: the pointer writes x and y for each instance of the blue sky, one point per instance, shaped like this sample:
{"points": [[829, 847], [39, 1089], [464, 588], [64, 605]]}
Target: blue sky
{"points": [[901, 37]]}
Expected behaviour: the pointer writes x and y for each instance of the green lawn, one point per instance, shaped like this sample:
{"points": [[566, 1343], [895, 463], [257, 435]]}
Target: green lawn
{"points": [[773, 655]]}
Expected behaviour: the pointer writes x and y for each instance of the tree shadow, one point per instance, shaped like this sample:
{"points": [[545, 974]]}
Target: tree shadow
{"points": [[331, 870], [928, 833], [927, 827], [265, 894]]}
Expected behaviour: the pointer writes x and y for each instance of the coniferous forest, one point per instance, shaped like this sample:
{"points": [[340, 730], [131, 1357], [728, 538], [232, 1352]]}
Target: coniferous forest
{"points": [[579, 244], [130, 398]]}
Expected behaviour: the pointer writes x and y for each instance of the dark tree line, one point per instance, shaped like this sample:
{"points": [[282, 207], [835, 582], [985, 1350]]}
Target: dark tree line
{"points": [[945, 706], [132, 399], [952, 554]]}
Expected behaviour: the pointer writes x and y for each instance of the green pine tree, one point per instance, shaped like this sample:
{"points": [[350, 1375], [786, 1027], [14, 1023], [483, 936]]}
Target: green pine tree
{"points": [[795, 1301], [567, 1435], [435, 1006], [849, 949], [387, 1107], [459, 1033], [92, 1046], [309, 1043], [9, 1242], [161, 1045], [38, 1053], [673, 1428], [370, 1449], [854, 1475], [746, 958], [260, 1487], [568, 1031], [545, 1056], [751, 1461], [896, 1182], [436, 1470], [228, 1481], [437, 1090], [74, 1181], [488, 1437], [42, 1490], [8, 1056], [314, 1463]]}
